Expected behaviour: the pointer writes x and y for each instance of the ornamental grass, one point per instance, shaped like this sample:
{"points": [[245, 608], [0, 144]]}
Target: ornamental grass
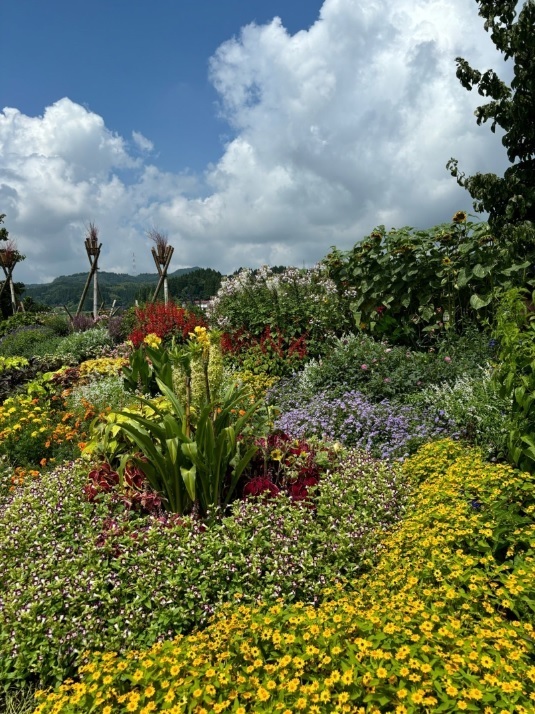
{"points": [[443, 622]]}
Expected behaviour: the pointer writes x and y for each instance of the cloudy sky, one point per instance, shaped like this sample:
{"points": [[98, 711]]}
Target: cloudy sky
{"points": [[250, 132]]}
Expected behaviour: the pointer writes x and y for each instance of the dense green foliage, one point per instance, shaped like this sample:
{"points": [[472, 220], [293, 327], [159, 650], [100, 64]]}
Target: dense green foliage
{"points": [[270, 321], [515, 373], [30, 342], [412, 285], [509, 200], [197, 284], [379, 370]]}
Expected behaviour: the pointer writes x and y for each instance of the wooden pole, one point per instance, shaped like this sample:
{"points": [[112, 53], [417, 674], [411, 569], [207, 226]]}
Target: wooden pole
{"points": [[13, 298], [95, 295], [8, 282], [94, 264], [7, 272]]}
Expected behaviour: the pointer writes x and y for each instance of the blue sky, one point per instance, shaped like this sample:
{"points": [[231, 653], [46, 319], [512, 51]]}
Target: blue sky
{"points": [[141, 65], [246, 138]]}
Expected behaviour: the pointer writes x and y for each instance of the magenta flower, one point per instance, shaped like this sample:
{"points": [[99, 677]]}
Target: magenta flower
{"points": [[364, 366]]}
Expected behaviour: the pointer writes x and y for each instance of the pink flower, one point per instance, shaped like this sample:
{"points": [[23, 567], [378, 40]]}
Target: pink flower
{"points": [[364, 366], [447, 359]]}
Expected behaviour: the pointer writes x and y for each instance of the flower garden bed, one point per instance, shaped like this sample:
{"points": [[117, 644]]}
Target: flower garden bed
{"points": [[173, 541]]}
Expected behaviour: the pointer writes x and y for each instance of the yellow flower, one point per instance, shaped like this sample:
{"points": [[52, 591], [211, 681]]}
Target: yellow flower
{"points": [[418, 696], [262, 694], [138, 674], [152, 340]]}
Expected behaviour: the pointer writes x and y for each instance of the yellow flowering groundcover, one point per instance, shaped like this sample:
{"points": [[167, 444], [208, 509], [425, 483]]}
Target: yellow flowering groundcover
{"points": [[443, 623], [33, 432]]}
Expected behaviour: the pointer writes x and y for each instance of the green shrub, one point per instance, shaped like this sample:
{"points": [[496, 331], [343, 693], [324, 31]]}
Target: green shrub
{"points": [[277, 310], [380, 371], [29, 341], [411, 286], [59, 324], [475, 407], [19, 319], [84, 345], [515, 373]]}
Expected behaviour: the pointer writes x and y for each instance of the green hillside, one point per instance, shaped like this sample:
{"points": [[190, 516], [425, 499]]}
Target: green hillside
{"points": [[185, 283]]}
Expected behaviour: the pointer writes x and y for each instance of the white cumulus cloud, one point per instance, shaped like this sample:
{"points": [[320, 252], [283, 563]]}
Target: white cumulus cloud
{"points": [[142, 142], [335, 129]]}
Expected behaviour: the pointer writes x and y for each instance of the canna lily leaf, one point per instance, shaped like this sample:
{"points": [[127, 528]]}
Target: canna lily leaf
{"points": [[189, 478]]}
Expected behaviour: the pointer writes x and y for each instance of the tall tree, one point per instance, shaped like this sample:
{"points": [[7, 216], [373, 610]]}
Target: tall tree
{"points": [[509, 200]]}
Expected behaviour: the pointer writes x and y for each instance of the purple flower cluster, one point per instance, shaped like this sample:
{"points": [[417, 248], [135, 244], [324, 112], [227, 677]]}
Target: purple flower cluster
{"points": [[386, 429]]}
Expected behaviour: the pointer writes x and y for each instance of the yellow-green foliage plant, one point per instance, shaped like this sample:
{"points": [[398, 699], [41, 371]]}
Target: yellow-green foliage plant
{"points": [[443, 623], [7, 363], [259, 384], [102, 366]]}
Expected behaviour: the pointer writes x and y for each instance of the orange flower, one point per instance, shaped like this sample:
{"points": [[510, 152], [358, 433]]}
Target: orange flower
{"points": [[43, 462]]}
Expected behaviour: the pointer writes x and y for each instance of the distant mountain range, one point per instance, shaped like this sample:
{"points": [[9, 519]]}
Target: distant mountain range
{"points": [[124, 289]]}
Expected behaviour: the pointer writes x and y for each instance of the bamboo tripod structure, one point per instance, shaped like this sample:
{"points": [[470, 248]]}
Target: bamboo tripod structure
{"points": [[162, 258], [92, 247], [8, 267]]}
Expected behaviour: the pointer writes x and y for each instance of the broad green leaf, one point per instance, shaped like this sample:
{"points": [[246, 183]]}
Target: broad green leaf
{"points": [[478, 302], [481, 271], [189, 478], [516, 267], [462, 278]]}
